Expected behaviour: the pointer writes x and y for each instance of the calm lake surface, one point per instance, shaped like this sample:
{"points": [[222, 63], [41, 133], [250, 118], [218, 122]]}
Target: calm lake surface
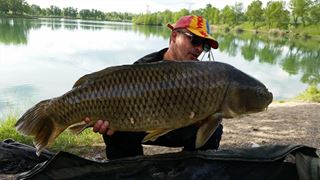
{"points": [[42, 58]]}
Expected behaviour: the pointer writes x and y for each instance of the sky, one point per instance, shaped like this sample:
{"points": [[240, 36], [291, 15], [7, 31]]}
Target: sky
{"points": [[139, 6]]}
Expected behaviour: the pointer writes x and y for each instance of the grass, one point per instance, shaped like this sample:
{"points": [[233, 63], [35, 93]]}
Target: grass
{"points": [[67, 141], [311, 94], [310, 30], [304, 32]]}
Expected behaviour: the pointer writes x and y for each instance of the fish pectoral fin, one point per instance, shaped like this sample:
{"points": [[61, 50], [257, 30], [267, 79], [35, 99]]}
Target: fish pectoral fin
{"points": [[79, 127], [154, 134], [206, 130]]}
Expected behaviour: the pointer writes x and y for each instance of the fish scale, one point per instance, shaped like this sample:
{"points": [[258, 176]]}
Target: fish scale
{"points": [[153, 97]]}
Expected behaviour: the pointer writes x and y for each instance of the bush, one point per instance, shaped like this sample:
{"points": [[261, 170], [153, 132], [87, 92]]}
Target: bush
{"points": [[312, 94]]}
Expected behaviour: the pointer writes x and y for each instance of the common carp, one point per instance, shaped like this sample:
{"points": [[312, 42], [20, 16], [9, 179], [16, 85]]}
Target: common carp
{"points": [[154, 97]]}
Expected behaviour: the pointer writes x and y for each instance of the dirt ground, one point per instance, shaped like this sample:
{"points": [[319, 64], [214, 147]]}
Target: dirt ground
{"points": [[283, 123]]}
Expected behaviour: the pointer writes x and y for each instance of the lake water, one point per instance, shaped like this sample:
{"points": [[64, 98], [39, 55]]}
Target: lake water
{"points": [[42, 58]]}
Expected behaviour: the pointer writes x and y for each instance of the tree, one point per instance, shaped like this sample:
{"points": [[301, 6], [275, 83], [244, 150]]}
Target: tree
{"points": [[216, 17], [238, 12], [299, 9], [179, 14], [314, 14], [17, 6], [227, 15], [209, 13], [53, 11], [254, 12], [70, 12], [276, 15], [167, 16], [4, 6], [35, 10], [85, 14]]}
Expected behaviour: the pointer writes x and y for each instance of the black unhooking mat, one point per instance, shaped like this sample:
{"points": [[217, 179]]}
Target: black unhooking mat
{"points": [[16, 157], [266, 162]]}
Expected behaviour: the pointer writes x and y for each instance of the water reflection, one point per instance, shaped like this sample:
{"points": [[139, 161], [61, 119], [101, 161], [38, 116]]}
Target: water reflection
{"points": [[156, 31], [13, 32], [294, 56]]}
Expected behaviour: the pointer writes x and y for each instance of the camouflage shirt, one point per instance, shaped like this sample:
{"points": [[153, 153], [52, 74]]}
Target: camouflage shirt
{"points": [[153, 57]]}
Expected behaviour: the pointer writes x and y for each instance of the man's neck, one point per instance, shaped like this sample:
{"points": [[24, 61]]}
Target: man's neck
{"points": [[168, 55]]}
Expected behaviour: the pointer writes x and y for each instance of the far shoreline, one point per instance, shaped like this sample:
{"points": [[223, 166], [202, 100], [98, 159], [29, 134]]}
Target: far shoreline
{"points": [[214, 28]]}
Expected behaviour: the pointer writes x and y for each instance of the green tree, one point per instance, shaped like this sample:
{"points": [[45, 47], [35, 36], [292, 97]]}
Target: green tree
{"points": [[70, 12], [4, 6], [299, 10], [35, 10], [85, 14], [167, 16], [17, 6], [276, 15], [227, 15], [254, 12], [314, 13], [55, 11], [179, 14], [50, 11], [238, 12], [216, 17], [209, 13]]}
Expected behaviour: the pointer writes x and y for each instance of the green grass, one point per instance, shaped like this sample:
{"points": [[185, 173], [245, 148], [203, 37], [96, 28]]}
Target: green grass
{"points": [[310, 30], [65, 142], [300, 31], [7, 130], [311, 94]]}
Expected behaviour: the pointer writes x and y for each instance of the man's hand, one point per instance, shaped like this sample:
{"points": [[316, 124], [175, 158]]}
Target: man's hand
{"points": [[100, 126]]}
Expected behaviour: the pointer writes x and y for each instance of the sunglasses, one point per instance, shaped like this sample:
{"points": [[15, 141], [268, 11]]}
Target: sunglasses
{"points": [[197, 41]]}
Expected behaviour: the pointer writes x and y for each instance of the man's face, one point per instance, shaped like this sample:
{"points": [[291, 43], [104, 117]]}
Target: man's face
{"points": [[186, 45]]}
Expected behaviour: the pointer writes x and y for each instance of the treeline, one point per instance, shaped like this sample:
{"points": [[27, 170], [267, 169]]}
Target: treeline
{"points": [[273, 15], [21, 7]]}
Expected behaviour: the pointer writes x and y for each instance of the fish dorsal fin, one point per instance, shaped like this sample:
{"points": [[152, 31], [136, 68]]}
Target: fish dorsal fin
{"points": [[207, 129], [154, 134], [95, 75], [80, 81]]}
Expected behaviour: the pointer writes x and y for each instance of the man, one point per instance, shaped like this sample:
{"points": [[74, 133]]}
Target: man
{"points": [[190, 36]]}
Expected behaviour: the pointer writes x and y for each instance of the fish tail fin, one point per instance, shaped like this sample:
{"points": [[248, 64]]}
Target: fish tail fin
{"points": [[38, 123]]}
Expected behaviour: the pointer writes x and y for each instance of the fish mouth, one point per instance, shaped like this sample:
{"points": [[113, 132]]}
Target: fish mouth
{"points": [[265, 94], [257, 110]]}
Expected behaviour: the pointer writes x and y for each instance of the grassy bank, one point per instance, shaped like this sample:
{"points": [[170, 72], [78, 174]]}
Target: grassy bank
{"points": [[306, 32], [17, 16], [67, 141], [311, 94]]}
